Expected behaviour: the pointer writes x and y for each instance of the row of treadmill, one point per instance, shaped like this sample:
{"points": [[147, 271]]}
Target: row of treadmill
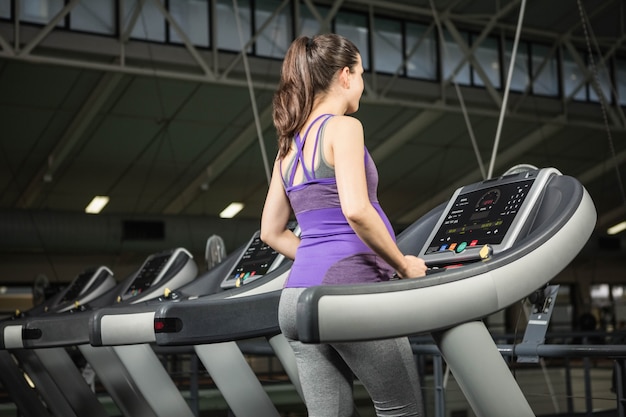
{"points": [[492, 244]]}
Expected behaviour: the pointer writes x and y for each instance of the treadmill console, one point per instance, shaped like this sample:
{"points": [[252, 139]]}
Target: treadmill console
{"points": [[164, 270], [88, 285], [489, 214], [256, 260]]}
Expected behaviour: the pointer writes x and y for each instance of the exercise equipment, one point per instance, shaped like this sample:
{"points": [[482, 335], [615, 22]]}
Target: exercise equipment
{"points": [[133, 376], [236, 300], [517, 250], [64, 392]]}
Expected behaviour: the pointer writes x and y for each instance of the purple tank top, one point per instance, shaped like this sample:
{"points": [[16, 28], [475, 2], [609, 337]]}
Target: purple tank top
{"points": [[330, 252]]}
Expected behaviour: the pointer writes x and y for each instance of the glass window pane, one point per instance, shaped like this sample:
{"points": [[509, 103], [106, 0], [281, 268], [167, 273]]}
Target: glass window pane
{"points": [[276, 37], [193, 18], [487, 55], [388, 46], [96, 16], [40, 11], [421, 52], [227, 29], [354, 27], [520, 79], [309, 25], [150, 24], [572, 78], [5, 9], [621, 81], [545, 71], [603, 81], [451, 57]]}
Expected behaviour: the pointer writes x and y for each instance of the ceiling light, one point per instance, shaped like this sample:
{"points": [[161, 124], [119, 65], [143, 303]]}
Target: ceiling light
{"points": [[617, 228], [97, 204], [29, 381], [231, 211]]}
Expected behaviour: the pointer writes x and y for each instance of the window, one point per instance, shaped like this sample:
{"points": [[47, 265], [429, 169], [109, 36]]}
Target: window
{"points": [[193, 18], [601, 78], [309, 25], [573, 78], [421, 52], [5, 9], [487, 55], [150, 24], [520, 79], [276, 37], [621, 80], [545, 70], [354, 27], [95, 16], [227, 29], [387, 46], [40, 11], [451, 57], [402, 47]]}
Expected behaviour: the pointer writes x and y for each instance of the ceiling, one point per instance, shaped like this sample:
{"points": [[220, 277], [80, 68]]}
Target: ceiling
{"points": [[173, 143]]}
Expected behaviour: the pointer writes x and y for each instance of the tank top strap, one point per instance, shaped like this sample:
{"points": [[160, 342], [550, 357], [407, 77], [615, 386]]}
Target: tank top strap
{"points": [[299, 158], [317, 141]]}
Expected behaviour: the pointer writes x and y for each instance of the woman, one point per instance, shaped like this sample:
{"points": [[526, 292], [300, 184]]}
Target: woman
{"points": [[326, 176]]}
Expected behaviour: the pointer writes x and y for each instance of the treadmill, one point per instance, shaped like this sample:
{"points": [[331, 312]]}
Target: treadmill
{"points": [[34, 389], [133, 376], [492, 244], [236, 300]]}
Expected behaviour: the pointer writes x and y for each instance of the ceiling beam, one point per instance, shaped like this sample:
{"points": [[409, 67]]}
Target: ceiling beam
{"points": [[595, 172], [488, 28], [70, 139], [408, 132], [252, 40], [591, 76], [45, 31], [5, 47], [324, 21], [611, 217], [406, 57], [188, 44], [220, 163], [475, 64]]}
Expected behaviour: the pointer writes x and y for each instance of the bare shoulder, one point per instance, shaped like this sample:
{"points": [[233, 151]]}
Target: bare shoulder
{"points": [[346, 123], [346, 129]]}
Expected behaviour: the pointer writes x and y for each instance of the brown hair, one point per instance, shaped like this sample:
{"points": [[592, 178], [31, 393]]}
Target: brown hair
{"points": [[309, 67]]}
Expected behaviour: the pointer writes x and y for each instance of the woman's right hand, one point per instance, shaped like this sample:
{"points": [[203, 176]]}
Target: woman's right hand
{"points": [[415, 267]]}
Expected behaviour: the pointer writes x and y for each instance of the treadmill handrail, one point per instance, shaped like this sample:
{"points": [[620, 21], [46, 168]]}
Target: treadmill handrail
{"points": [[485, 274]]}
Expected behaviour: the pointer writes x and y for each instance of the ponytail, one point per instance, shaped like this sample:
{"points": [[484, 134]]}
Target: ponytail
{"points": [[308, 69]]}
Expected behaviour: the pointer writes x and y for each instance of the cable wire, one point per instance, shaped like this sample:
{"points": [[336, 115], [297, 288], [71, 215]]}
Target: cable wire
{"points": [[602, 99], [255, 111], [466, 118], [507, 87]]}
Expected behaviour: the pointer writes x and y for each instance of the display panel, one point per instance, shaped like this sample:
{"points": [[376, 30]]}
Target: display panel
{"points": [[257, 260], [147, 275], [485, 215], [480, 217], [79, 284]]}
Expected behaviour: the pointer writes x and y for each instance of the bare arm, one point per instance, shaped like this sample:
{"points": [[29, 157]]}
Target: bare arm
{"points": [[348, 155], [276, 213]]}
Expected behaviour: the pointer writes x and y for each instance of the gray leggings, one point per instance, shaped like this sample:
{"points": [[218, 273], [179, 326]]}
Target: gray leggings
{"points": [[385, 367]]}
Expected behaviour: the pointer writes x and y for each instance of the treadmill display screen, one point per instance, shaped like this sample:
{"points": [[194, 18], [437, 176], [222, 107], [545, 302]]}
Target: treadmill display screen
{"points": [[255, 262], [480, 217], [78, 286], [147, 275]]}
